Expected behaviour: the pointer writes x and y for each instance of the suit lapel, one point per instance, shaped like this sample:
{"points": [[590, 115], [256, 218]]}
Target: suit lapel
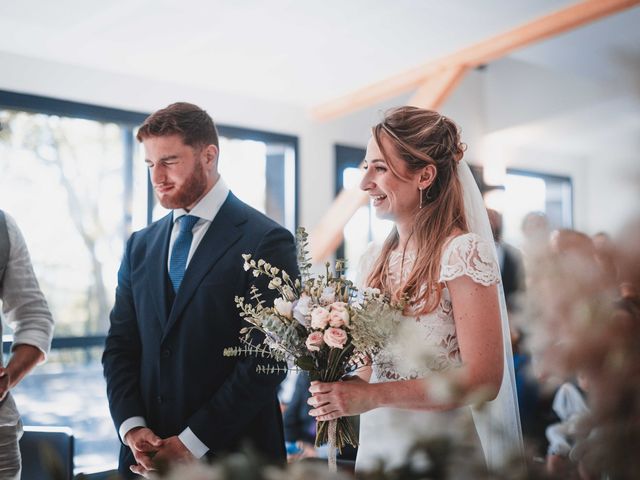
{"points": [[222, 234], [157, 266]]}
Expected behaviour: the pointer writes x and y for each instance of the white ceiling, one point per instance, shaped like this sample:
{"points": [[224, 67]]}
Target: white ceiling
{"points": [[299, 52]]}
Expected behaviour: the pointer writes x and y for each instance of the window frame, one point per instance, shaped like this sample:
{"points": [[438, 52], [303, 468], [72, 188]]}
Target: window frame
{"points": [[346, 156], [546, 177]]}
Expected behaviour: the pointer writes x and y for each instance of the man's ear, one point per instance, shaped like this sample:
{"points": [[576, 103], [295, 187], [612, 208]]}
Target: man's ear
{"points": [[427, 176], [211, 154]]}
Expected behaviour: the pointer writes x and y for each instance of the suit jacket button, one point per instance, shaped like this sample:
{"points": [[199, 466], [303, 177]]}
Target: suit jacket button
{"points": [[166, 353], [159, 399]]}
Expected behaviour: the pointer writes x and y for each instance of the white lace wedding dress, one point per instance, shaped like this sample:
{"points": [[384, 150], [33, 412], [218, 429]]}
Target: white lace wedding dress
{"points": [[388, 434]]}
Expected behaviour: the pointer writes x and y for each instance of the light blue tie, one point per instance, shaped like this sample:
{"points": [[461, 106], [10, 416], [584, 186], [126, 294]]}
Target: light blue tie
{"points": [[180, 250]]}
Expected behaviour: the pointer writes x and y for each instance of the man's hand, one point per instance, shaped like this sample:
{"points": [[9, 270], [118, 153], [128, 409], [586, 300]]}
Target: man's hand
{"points": [[23, 359], [171, 451], [144, 444], [5, 381]]}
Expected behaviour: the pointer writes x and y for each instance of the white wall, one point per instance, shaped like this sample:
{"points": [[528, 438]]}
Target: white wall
{"points": [[552, 122]]}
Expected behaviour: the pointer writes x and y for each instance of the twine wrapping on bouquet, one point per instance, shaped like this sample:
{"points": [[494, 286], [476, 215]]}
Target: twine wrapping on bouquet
{"points": [[331, 434]]}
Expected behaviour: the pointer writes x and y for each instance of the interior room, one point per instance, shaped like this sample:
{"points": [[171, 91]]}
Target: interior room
{"points": [[546, 95]]}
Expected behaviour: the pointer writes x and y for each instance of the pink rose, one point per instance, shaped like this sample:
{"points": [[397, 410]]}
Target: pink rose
{"points": [[314, 341], [319, 318], [335, 337], [339, 314]]}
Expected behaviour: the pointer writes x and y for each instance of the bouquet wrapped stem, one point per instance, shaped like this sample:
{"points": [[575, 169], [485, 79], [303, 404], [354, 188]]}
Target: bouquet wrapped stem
{"points": [[345, 433]]}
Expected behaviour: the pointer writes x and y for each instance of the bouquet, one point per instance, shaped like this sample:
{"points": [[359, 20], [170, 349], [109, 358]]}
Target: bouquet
{"points": [[320, 324]]}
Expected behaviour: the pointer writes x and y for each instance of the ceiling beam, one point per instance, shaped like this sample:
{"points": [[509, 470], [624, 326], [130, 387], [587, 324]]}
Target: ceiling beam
{"points": [[433, 93], [483, 52]]}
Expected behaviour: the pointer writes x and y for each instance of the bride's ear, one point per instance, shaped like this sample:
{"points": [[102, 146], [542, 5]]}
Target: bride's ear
{"points": [[427, 176]]}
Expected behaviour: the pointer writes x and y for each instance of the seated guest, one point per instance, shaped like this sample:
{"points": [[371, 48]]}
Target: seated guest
{"points": [[570, 404]]}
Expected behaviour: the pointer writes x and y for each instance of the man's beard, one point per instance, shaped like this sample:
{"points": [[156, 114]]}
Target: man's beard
{"points": [[190, 192]]}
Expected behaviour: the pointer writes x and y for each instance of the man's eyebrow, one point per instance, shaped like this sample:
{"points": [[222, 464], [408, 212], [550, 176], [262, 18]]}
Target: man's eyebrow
{"points": [[163, 159]]}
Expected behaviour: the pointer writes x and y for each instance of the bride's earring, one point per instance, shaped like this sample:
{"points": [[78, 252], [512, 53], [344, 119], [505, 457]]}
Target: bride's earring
{"points": [[420, 192]]}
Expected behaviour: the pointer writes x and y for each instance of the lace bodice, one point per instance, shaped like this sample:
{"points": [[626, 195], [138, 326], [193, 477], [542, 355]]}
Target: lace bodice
{"points": [[428, 342]]}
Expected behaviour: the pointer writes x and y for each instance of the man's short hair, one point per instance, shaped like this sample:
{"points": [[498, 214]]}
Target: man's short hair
{"points": [[193, 124]]}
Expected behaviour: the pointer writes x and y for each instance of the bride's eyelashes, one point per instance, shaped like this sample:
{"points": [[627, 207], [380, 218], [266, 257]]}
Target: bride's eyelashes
{"points": [[376, 168]]}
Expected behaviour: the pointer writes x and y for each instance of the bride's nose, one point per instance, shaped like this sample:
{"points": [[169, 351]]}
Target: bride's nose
{"points": [[366, 184]]}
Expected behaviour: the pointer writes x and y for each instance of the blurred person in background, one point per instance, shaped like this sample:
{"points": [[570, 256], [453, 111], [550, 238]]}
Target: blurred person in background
{"points": [[605, 251], [509, 260], [536, 230], [570, 405], [27, 312]]}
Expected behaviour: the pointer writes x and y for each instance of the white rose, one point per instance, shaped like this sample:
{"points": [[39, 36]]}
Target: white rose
{"points": [[301, 309], [283, 307], [319, 318], [339, 314]]}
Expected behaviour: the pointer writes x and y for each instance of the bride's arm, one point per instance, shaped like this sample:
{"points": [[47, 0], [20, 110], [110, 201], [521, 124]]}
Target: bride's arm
{"points": [[477, 318]]}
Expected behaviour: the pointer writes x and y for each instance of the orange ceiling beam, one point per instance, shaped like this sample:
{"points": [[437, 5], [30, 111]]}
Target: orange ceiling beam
{"points": [[433, 93], [483, 52]]}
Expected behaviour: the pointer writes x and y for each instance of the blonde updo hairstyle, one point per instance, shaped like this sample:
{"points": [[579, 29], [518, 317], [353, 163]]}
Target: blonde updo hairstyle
{"points": [[420, 138]]}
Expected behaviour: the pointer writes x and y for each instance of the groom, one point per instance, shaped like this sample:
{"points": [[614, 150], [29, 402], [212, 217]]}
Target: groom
{"points": [[173, 395]]}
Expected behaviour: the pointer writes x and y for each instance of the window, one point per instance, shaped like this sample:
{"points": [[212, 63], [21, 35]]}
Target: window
{"points": [[261, 169], [74, 178], [526, 192]]}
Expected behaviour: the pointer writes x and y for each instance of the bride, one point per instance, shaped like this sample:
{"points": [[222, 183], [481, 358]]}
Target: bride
{"points": [[440, 257]]}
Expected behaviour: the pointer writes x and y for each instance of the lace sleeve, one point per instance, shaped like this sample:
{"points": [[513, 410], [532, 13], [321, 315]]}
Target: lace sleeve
{"points": [[365, 264], [472, 256]]}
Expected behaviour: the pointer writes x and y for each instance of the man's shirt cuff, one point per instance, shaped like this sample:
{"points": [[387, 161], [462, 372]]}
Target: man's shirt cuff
{"points": [[193, 443], [129, 424]]}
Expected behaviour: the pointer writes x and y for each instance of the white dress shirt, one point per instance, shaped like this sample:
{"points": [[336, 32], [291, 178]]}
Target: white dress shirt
{"points": [[24, 306], [206, 209]]}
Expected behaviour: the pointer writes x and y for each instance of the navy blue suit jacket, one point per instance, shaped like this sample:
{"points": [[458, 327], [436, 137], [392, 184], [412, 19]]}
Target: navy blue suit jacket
{"points": [[163, 357]]}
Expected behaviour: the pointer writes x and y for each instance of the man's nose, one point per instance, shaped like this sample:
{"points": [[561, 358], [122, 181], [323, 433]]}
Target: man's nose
{"points": [[158, 175]]}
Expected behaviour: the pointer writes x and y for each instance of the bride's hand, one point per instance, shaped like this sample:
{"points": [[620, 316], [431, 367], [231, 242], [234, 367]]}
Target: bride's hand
{"points": [[352, 396]]}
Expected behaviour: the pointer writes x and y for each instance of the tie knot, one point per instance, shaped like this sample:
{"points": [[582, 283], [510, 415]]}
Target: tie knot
{"points": [[187, 222]]}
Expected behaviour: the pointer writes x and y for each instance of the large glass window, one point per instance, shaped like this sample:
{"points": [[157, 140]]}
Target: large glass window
{"points": [[74, 178], [260, 169], [524, 192]]}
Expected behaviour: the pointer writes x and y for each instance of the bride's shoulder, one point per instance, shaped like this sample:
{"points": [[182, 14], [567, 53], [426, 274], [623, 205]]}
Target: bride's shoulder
{"points": [[460, 240], [469, 254]]}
